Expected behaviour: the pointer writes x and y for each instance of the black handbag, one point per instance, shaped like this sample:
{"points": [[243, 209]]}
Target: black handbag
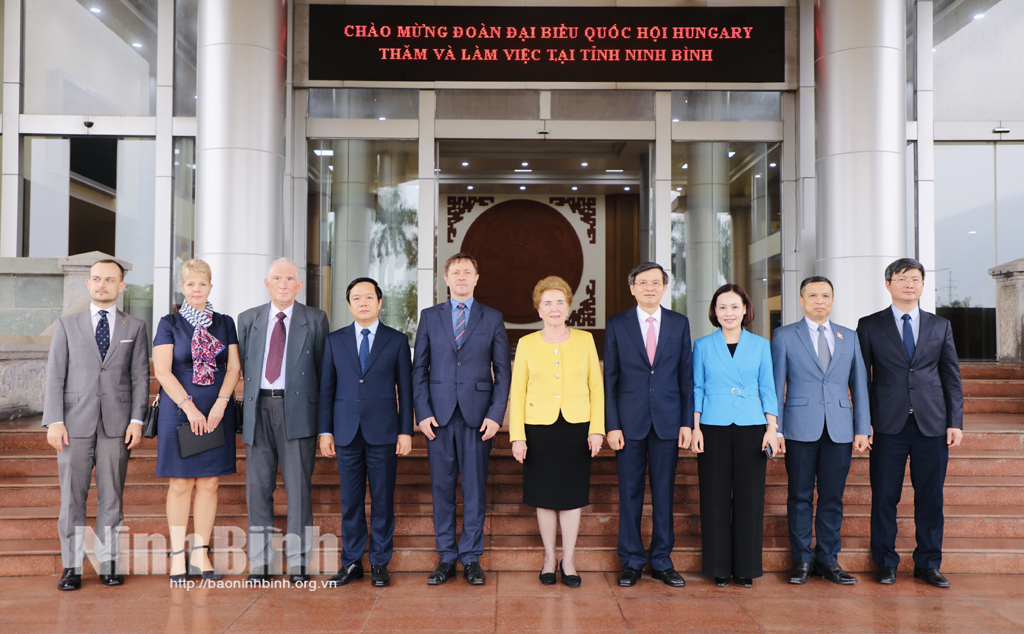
{"points": [[149, 419], [238, 413], [190, 444]]}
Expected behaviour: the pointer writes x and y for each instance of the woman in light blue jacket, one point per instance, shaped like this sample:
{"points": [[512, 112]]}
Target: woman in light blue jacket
{"points": [[735, 410]]}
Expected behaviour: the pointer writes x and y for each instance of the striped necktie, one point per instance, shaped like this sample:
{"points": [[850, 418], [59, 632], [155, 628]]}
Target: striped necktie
{"points": [[460, 326]]}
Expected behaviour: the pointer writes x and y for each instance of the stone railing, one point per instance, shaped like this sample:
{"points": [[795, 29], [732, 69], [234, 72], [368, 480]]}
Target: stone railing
{"points": [[1009, 311], [34, 292]]}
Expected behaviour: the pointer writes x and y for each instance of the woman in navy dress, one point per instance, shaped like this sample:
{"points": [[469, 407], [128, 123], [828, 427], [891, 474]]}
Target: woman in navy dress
{"points": [[195, 357]]}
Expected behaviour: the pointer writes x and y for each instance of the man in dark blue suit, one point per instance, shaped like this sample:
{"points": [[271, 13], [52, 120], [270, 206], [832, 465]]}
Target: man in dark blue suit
{"points": [[460, 405], [917, 410], [648, 379], [366, 427]]}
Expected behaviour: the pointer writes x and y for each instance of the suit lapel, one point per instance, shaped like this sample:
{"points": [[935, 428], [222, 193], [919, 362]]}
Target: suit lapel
{"points": [[296, 338], [258, 341], [729, 361], [663, 336], [85, 323], [474, 316], [889, 326], [348, 346], [379, 341], [633, 327], [444, 313], [804, 335], [840, 347], [120, 325]]}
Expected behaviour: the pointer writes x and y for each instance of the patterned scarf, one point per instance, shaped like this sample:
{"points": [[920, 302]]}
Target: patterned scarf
{"points": [[205, 347]]}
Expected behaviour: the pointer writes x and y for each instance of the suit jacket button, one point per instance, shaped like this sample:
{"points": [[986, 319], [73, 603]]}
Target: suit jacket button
{"points": [[248, 378], [911, 369], [358, 399], [652, 391], [360, 380], [911, 389], [460, 364], [823, 402], [296, 394], [652, 371], [826, 382]]}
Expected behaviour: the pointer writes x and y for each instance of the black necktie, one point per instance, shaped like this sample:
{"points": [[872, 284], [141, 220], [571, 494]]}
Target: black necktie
{"points": [[103, 334], [908, 336], [364, 349]]}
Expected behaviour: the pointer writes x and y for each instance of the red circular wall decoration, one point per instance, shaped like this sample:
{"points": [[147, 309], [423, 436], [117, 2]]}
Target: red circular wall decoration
{"points": [[518, 243]]}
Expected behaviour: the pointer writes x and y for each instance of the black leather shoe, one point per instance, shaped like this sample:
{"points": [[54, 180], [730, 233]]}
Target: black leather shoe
{"points": [[571, 581], [346, 574], [628, 577], [547, 578], [885, 575], [931, 576], [833, 573], [379, 576], [799, 572], [721, 582], [258, 575], [670, 577], [298, 575], [70, 580], [108, 574], [744, 582], [475, 574], [178, 580], [442, 573], [195, 571]]}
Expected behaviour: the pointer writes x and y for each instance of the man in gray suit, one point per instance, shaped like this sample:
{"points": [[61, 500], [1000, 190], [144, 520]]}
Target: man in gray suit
{"points": [[281, 347], [818, 369], [97, 390]]}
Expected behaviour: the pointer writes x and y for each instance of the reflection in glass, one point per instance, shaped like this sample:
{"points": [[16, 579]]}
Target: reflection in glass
{"points": [[726, 221], [183, 212], [1009, 201], [186, 47], [602, 105], [364, 103], [79, 61], [363, 221], [88, 194], [708, 105]]}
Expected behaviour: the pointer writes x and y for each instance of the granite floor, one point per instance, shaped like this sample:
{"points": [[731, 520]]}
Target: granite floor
{"points": [[515, 601]]}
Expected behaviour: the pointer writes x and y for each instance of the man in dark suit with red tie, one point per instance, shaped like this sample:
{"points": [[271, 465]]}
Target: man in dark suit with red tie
{"points": [[648, 379], [917, 410]]}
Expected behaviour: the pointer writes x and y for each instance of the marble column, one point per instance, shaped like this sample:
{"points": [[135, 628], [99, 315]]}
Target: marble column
{"points": [[707, 202]]}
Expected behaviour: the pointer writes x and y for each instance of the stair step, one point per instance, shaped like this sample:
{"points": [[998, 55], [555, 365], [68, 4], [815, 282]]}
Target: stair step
{"points": [[993, 405], [593, 554], [974, 388], [1003, 371]]}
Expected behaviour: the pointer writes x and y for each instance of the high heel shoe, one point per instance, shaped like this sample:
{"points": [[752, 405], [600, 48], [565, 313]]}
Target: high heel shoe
{"points": [[572, 581], [208, 575], [183, 577]]}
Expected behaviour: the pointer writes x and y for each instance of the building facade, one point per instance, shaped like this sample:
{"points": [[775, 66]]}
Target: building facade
{"points": [[240, 131]]}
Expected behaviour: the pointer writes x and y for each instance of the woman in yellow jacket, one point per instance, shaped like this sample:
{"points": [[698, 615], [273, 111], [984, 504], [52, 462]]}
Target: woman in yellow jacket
{"points": [[557, 410]]}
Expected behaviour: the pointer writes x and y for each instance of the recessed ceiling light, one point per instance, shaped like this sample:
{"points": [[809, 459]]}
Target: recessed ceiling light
{"points": [[177, 151], [330, 168], [525, 164], [972, 232], [771, 165], [177, 163], [679, 189], [757, 176], [574, 188], [979, 16], [732, 154], [625, 189], [95, 9], [324, 152], [522, 171], [465, 164], [469, 187], [686, 165], [675, 120], [613, 171], [137, 44], [522, 187], [584, 164], [382, 118]]}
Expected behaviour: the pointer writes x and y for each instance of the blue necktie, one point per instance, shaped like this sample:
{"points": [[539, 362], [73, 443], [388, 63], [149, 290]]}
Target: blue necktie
{"points": [[103, 334], [460, 326], [908, 336], [364, 349]]}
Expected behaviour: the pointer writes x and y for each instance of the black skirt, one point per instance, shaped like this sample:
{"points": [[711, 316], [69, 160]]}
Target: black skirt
{"points": [[556, 472]]}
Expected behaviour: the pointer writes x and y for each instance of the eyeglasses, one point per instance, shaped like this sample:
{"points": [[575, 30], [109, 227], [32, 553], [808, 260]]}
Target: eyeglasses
{"points": [[646, 284]]}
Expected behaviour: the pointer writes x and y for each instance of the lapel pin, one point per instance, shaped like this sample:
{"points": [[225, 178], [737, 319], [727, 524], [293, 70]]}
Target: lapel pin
{"points": [[839, 334]]}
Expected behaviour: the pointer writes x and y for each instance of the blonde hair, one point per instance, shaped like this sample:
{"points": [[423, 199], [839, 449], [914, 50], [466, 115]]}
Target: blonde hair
{"points": [[195, 267], [551, 283]]}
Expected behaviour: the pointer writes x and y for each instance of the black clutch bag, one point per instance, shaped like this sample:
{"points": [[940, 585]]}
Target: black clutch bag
{"points": [[237, 404], [149, 419], [190, 444]]}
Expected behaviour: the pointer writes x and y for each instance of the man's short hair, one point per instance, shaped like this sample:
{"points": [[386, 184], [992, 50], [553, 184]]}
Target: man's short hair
{"points": [[646, 266], [461, 256], [360, 280], [901, 265], [109, 261], [287, 261], [815, 279], [731, 288]]}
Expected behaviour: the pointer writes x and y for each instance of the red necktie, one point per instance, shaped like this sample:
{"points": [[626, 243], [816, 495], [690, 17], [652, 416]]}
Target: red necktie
{"points": [[276, 355]]}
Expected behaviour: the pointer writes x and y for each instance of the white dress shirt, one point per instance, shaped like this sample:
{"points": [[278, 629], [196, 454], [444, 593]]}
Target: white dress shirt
{"points": [[271, 323], [642, 316], [830, 336], [915, 321]]}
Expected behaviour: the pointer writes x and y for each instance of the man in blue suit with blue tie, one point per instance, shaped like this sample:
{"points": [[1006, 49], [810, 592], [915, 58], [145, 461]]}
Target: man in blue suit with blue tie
{"points": [[917, 411], [648, 378], [461, 378], [822, 388], [363, 423]]}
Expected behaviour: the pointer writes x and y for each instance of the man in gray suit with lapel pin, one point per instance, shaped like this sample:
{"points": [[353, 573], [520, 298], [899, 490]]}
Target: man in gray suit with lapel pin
{"points": [[281, 346], [824, 412], [97, 390]]}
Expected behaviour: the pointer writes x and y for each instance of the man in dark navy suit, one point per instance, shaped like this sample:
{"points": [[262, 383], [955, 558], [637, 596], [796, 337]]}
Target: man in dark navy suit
{"points": [[366, 426], [917, 410], [461, 377], [648, 379]]}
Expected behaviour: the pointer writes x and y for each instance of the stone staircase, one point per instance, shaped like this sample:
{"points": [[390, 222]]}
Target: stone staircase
{"points": [[984, 503]]}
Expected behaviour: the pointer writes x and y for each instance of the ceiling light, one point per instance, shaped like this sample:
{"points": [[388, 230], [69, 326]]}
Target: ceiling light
{"points": [[95, 9], [686, 165], [177, 163], [382, 118], [979, 16], [522, 187], [679, 189], [465, 164], [324, 152], [625, 189], [330, 168], [525, 164], [574, 188], [584, 164], [972, 232], [177, 151], [469, 187], [732, 154], [771, 165], [614, 171], [675, 120], [757, 176], [137, 44], [522, 171]]}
